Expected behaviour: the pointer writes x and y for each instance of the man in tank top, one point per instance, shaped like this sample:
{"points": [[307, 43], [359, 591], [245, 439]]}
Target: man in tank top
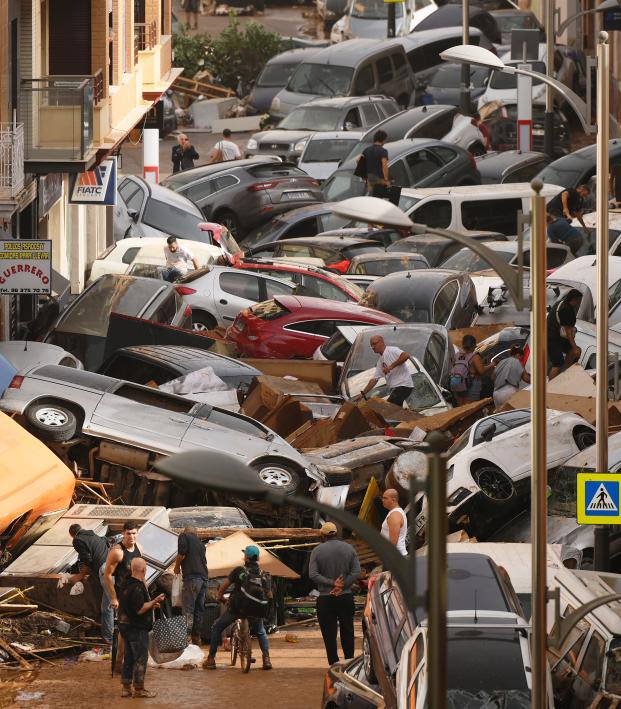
{"points": [[395, 526], [118, 563]]}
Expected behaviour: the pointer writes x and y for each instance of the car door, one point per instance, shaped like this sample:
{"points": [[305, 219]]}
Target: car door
{"points": [[370, 115], [236, 290], [269, 287], [424, 167], [132, 199]]}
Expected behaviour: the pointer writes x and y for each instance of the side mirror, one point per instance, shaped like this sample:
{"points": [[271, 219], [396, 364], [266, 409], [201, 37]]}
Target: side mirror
{"points": [[133, 214], [487, 434]]}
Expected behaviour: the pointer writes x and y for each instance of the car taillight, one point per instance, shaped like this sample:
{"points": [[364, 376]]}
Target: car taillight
{"points": [[16, 382], [184, 290], [371, 582], [187, 313], [258, 186], [340, 266]]}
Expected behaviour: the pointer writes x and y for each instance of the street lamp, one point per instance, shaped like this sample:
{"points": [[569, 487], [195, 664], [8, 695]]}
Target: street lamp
{"points": [[602, 7], [224, 472]]}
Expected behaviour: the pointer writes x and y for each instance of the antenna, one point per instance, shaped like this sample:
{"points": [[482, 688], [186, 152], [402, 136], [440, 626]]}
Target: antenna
{"points": [[26, 345], [476, 618]]}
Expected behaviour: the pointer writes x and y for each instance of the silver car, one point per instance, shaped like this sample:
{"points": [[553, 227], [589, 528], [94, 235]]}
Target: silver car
{"points": [[62, 404], [217, 294]]}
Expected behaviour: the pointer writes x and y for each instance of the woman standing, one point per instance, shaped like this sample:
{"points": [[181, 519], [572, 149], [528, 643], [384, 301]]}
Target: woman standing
{"points": [[508, 375]]}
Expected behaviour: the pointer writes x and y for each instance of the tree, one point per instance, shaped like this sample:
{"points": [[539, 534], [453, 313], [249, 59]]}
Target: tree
{"points": [[190, 51]]}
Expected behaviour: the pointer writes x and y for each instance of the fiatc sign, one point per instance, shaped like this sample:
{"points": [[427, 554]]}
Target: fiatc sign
{"points": [[97, 186], [25, 266], [598, 498]]}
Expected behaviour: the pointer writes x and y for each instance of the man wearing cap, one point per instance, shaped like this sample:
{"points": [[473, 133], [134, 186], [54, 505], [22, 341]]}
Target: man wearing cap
{"points": [[334, 567], [236, 579]]}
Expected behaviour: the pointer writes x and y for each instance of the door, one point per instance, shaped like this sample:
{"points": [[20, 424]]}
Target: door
{"points": [[132, 199], [69, 23], [234, 292]]}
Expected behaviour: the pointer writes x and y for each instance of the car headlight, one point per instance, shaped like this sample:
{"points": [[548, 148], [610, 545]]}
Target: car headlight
{"points": [[252, 144], [299, 146], [275, 105]]}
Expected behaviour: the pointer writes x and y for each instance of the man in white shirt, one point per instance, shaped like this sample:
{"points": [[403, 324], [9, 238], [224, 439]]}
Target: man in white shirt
{"points": [[395, 526], [391, 365], [225, 149], [178, 259]]}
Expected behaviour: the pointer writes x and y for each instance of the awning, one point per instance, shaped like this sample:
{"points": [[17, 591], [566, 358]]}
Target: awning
{"points": [[225, 555]]}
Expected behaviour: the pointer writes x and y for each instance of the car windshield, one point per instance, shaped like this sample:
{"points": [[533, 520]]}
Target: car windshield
{"points": [[409, 340], [321, 79], [207, 517], [406, 203], [501, 80], [466, 260], [174, 221], [374, 9], [395, 302], [385, 266], [343, 184], [448, 76], [317, 118], [333, 150], [459, 444], [565, 172], [276, 75], [424, 395]]}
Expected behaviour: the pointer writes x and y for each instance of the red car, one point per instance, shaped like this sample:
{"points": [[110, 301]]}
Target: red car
{"points": [[310, 280], [291, 326]]}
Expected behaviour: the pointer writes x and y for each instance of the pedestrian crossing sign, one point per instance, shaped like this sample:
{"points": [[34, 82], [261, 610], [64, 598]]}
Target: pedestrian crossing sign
{"points": [[598, 498]]}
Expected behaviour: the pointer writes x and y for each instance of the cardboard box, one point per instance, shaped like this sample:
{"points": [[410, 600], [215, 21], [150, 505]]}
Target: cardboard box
{"points": [[322, 373], [480, 332], [266, 393]]}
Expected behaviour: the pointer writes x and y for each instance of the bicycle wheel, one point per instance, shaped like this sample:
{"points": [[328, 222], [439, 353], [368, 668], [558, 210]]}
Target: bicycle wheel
{"points": [[234, 643], [245, 646]]}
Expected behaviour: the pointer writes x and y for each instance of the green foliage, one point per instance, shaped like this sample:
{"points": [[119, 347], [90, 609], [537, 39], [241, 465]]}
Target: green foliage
{"points": [[190, 51]]}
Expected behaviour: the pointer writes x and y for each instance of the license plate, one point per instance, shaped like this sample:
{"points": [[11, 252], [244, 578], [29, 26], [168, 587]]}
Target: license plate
{"points": [[537, 131], [297, 195]]}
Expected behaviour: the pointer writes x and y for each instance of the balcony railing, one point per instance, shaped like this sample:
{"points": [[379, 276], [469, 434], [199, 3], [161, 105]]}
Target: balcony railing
{"points": [[98, 86], [11, 160], [57, 112], [145, 37]]}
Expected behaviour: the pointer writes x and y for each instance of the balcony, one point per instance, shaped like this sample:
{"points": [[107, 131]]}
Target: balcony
{"points": [[57, 112], [11, 160]]}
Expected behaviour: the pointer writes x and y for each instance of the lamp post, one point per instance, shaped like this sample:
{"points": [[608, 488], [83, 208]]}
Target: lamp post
{"points": [[548, 124], [464, 94], [602, 7]]}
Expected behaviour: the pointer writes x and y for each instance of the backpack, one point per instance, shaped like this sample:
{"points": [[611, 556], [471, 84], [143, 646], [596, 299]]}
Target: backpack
{"points": [[459, 376], [251, 599]]}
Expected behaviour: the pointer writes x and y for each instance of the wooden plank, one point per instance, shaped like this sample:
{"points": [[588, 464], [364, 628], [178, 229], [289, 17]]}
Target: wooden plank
{"points": [[15, 655], [265, 533]]}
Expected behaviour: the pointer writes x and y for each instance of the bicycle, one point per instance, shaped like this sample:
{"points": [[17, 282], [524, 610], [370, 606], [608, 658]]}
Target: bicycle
{"points": [[241, 644]]}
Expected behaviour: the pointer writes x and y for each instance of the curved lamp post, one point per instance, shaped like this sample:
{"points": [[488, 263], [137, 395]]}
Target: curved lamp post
{"points": [[602, 7]]}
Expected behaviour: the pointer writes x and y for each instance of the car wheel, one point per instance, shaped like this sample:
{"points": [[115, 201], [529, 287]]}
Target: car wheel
{"points": [[494, 483], [229, 220], [367, 660], [584, 437], [51, 422], [278, 475], [202, 322]]}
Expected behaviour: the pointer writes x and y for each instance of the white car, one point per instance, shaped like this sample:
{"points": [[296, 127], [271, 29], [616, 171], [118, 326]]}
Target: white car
{"points": [[24, 354], [488, 478], [119, 257], [502, 87], [324, 152]]}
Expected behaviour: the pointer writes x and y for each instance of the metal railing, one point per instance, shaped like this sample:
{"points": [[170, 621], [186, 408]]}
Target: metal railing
{"points": [[11, 160], [145, 37], [98, 86], [57, 112]]}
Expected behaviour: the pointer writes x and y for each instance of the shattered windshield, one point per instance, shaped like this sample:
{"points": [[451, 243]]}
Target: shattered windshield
{"points": [[424, 395], [409, 340]]}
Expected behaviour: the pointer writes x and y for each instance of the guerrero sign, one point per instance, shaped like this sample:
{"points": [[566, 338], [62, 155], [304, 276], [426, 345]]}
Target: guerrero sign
{"points": [[25, 266], [97, 186]]}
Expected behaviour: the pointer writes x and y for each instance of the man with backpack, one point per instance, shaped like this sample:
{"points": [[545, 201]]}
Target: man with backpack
{"points": [[250, 596], [466, 375]]}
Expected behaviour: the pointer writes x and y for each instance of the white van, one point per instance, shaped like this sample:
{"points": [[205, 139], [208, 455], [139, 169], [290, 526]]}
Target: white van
{"points": [[473, 207]]}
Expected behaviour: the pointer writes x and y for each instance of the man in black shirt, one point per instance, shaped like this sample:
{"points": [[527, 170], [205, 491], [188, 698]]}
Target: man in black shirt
{"points": [[92, 552], [376, 164], [562, 209], [192, 561], [561, 325], [137, 610]]}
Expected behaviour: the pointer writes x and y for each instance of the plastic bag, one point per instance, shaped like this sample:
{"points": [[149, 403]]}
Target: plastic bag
{"points": [[192, 656], [77, 589], [176, 594], [202, 380]]}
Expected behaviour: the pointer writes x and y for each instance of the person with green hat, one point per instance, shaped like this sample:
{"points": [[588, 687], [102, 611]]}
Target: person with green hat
{"points": [[251, 591]]}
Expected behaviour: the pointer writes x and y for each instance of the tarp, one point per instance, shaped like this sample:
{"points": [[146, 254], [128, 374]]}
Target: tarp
{"points": [[225, 555]]}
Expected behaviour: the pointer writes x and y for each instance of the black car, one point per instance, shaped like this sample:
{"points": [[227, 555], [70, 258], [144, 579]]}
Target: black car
{"points": [[436, 249], [335, 251], [304, 221], [162, 363], [451, 16], [510, 166], [436, 296], [579, 167], [265, 188], [413, 162], [502, 125], [443, 85]]}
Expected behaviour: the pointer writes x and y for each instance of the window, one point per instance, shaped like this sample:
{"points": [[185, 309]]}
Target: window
{"points": [[130, 254], [200, 191], [491, 215], [321, 288], [434, 357], [398, 61], [555, 257], [322, 328], [273, 288], [132, 195], [307, 227], [384, 70], [422, 164], [269, 310], [295, 250], [436, 213], [388, 108], [399, 174], [224, 181], [353, 118], [591, 668], [614, 295], [444, 302], [525, 173], [365, 81], [322, 79], [369, 114], [242, 285], [166, 310], [171, 220], [434, 128], [135, 370]]}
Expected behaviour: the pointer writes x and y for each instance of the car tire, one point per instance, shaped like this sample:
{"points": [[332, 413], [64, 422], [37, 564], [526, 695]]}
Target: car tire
{"points": [[367, 659], [584, 437], [230, 221], [494, 483], [278, 475], [51, 421], [203, 321]]}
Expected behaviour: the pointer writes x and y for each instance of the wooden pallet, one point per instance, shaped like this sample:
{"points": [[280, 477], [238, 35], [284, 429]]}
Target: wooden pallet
{"points": [[194, 89]]}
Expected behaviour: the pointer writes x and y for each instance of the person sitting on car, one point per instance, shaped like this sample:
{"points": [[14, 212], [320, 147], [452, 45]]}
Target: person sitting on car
{"points": [[566, 206], [561, 324], [177, 260]]}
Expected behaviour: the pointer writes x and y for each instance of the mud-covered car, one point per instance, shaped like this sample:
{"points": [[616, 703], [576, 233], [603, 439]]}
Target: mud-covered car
{"points": [[346, 687]]}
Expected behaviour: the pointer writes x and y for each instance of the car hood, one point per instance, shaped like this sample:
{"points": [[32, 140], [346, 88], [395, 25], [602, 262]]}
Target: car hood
{"points": [[281, 136], [261, 97], [288, 100]]}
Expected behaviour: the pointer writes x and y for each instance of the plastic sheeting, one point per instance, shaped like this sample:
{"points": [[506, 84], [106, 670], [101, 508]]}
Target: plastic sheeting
{"points": [[205, 386]]}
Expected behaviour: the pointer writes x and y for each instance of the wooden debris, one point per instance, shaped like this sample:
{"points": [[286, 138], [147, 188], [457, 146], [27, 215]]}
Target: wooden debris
{"points": [[273, 534], [15, 655]]}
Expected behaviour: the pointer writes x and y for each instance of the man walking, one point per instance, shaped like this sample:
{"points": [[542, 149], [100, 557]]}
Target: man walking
{"points": [[251, 591], [333, 568], [395, 525], [136, 620], [183, 154], [375, 159], [178, 260], [192, 561], [391, 365], [225, 149], [92, 553]]}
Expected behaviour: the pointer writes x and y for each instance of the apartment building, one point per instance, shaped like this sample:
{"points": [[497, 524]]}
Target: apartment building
{"points": [[76, 76]]}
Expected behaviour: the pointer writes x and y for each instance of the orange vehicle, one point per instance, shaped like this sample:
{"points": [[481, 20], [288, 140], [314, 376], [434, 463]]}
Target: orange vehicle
{"points": [[35, 488]]}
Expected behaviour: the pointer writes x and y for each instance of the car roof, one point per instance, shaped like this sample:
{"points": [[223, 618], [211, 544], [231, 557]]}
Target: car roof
{"points": [[426, 280], [388, 256], [419, 38], [339, 101], [352, 51], [327, 241], [448, 14], [588, 153], [298, 55], [331, 308], [501, 160], [510, 189], [164, 194], [294, 266], [187, 177], [183, 357]]}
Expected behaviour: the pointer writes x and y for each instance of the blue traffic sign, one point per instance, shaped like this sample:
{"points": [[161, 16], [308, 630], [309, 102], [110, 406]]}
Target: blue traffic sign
{"points": [[598, 498]]}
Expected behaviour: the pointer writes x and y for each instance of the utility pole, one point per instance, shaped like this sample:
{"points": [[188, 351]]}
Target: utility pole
{"points": [[392, 19], [464, 95], [548, 126]]}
